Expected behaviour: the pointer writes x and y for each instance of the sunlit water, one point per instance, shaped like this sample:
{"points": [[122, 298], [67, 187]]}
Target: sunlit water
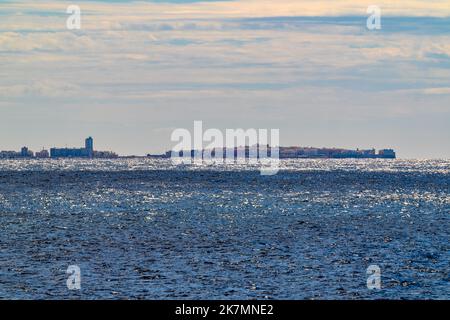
{"points": [[146, 229]]}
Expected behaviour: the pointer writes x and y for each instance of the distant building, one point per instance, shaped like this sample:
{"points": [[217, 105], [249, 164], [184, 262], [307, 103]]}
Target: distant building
{"points": [[86, 152], [68, 153], [42, 154], [105, 155], [387, 153], [89, 146], [309, 153], [25, 153], [368, 153], [9, 154]]}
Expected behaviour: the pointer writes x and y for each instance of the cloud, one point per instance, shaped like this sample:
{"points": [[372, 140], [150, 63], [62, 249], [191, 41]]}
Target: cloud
{"points": [[45, 41], [41, 88], [104, 15], [437, 90]]}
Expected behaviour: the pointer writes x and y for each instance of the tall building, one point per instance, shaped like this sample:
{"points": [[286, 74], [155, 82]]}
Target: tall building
{"points": [[86, 152], [26, 153], [89, 145]]}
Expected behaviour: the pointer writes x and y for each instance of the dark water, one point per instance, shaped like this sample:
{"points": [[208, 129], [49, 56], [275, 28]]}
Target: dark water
{"points": [[309, 232]]}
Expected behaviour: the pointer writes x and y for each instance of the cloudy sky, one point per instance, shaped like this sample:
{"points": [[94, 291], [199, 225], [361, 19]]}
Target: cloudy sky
{"points": [[139, 69]]}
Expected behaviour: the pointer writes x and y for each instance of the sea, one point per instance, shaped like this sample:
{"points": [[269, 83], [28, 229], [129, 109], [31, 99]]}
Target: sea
{"points": [[149, 229]]}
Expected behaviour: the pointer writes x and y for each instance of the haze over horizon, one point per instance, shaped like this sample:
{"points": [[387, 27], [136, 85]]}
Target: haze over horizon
{"points": [[137, 70]]}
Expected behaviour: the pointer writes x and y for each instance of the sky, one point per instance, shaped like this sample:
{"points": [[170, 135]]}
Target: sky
{"points": [[137, 70]]}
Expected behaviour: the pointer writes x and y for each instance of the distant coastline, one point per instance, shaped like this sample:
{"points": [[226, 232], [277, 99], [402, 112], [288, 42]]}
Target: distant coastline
{"points": [[86, 152], [297, 153], [294, 152]]}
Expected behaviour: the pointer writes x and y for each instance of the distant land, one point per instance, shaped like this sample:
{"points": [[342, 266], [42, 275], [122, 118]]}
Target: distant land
{"points": [[88, 152], [301, 153]]}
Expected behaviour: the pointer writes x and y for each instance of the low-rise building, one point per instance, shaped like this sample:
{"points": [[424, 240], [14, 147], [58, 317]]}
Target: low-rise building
{"points": [[387, 153], [42, 154]]}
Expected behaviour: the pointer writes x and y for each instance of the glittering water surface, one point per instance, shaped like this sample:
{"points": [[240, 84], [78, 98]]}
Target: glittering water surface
{"points": [[143, 228]]}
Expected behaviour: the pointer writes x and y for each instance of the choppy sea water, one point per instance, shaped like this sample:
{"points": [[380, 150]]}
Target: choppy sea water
{"points": [[144, 229]]}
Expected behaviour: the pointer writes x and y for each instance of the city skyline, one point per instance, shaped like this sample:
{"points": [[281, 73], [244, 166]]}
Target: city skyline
{"points": [[136, 71], [88, 151]]}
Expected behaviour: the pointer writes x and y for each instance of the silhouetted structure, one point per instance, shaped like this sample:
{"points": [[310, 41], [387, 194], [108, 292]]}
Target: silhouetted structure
{"points": [[298, 153], [86, 152], [43, 154]]}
